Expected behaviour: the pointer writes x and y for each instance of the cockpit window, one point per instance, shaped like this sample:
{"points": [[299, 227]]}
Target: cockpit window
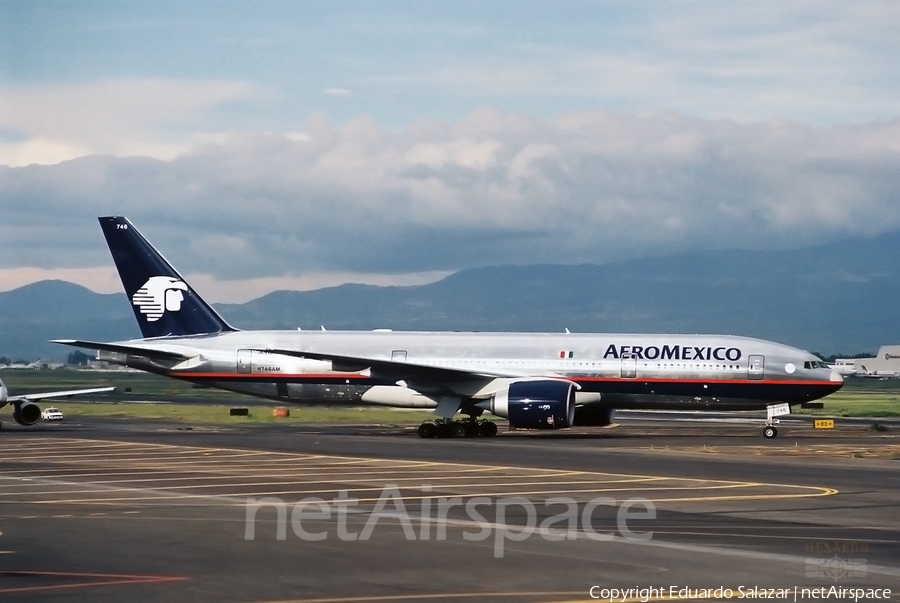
{"points": [[815, 364]]}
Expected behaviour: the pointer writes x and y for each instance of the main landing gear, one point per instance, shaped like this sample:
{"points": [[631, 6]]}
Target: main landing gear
{"points": [[467, 428]]}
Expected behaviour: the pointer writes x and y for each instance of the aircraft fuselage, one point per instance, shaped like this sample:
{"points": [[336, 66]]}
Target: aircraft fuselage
{"points": [[616, 370]]}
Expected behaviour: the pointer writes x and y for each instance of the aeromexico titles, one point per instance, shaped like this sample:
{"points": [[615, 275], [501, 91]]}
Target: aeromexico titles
{"points": [[534, 380]]}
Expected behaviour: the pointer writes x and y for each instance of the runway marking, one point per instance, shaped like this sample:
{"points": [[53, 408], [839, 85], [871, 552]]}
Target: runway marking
{"points": [[255, 472], [171, 491], [98, 580], [172, 472], [752, 530], [446, 487], [166, 493], [255, 469], [129, 457]]}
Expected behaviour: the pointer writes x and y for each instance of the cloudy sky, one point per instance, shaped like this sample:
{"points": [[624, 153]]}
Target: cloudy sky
{"points": [[280, 145]]}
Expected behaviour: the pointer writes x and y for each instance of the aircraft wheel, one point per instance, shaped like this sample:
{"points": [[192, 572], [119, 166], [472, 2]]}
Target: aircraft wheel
{"points": [[427, 430], [459, 429], [488, 429], [443, 430], [770, 432]]}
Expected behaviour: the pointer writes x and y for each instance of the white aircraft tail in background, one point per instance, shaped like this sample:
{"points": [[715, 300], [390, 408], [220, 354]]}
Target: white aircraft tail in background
{"points": [[884, 365]]}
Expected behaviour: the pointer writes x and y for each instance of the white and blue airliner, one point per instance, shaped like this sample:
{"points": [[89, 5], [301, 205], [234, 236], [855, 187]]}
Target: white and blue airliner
{"points": [[533, 380]]}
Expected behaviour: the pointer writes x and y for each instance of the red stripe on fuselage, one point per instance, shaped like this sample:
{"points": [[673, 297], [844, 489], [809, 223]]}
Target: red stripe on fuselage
{"points": [[577, 379]]}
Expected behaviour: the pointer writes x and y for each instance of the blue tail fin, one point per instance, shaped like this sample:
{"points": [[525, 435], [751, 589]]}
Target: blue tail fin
{"points": [[163, 302]]}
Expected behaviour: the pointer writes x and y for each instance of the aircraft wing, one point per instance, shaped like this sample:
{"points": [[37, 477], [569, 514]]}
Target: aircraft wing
{"points": [[392, 369], [60, 394], [125, 349]]}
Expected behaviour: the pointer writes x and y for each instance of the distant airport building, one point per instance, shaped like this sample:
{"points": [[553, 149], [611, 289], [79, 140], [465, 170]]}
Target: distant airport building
{"points": [[885, 364]]}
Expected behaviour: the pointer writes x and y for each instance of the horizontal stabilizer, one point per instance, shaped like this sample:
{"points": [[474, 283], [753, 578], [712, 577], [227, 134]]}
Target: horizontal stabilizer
{"points": [[124, 349]]}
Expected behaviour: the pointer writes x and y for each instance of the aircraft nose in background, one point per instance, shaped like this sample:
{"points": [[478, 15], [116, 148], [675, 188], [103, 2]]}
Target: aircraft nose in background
{"points": [[836, 377]]}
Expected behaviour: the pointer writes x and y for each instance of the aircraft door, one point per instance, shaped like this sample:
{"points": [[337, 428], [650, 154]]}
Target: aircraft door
{"points": [[244, 361], [629, 368], [757, 368]]}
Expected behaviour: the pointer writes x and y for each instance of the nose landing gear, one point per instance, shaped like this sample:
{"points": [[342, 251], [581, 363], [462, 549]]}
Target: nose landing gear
{"points": [[773, 411]]}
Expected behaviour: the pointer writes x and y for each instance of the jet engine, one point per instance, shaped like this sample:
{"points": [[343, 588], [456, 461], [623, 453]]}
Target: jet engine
{"points": [[536, 404], [27, 413]]}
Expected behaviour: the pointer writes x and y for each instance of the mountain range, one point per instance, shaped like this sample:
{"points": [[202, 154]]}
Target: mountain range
{"points": [[841, 297]]}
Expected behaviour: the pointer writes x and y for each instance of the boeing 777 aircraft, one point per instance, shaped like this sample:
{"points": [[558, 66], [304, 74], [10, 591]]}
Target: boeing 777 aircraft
{"points": [[27, 413], [534, 380]]}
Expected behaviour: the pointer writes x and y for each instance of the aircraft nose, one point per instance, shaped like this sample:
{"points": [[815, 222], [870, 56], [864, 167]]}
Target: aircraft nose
{"points": [[836, 377]]}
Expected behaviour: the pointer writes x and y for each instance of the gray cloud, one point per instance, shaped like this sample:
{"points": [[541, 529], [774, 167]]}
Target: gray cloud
{"points": [[493, 188]]}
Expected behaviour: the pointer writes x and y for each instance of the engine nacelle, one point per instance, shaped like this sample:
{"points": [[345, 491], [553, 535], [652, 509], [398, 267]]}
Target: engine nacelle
{"points": [[536, 404], [594, 415], [27, 413]]}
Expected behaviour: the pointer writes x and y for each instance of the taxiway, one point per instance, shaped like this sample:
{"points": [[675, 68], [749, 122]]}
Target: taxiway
{"points": [[111, 510]]}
